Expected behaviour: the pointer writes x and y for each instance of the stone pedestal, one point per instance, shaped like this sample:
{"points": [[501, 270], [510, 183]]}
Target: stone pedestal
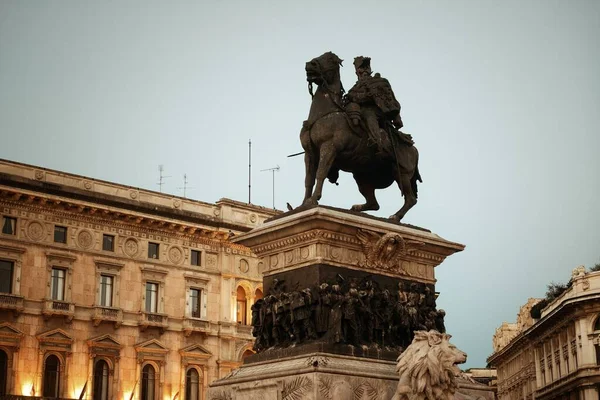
{"points": [[308, 247]]}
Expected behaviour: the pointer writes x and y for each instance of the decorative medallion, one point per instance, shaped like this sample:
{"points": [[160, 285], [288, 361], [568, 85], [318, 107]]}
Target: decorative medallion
{"points": [[131, 247], [85, 239], [175, 255], [87, 185], [336, 252], [289, 257], [133, 194], [304, 252], [176, 203], [39, 175], [253, 218], [244, 267], [217, 212], [261, 267], [211, 260], [35, 231], [274, 261]]}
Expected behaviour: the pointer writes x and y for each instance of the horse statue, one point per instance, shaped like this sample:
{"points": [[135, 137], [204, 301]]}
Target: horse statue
{"points": [[331, 143]]}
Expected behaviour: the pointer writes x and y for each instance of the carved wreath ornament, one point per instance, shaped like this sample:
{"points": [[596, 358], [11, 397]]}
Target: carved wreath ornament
{"points": [[385, 251]]}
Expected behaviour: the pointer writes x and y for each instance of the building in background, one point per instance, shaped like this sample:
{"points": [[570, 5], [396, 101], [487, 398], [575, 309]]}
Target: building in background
{"points": [[119, 292], [558, 355]]}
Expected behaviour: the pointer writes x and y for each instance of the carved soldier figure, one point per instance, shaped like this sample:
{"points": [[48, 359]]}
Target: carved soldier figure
{"points": [[439, 321], [270, 336], [349, 317], [323, 309], [335, 320], [257, 325], [372, 99]]}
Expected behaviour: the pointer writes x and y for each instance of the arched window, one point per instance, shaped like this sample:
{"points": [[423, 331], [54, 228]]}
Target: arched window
{"points": [[3, 372], [597, 324], [258, 294], [100, 380], [51, 377], [148, 383], [247, 353], [241, 306], [192, 384]]}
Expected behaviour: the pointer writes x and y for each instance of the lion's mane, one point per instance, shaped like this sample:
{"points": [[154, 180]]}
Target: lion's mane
{"points": [[427, 368]]}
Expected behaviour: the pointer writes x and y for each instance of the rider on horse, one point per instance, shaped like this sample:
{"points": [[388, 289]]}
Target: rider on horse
{"points": [[373, 100]]}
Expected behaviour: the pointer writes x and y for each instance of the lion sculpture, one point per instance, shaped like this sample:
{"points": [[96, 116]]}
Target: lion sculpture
{"points": [[427, 368]]}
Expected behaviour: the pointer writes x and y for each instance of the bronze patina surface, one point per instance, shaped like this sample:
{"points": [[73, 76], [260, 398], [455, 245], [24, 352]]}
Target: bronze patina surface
{"points": [[357, 133]]}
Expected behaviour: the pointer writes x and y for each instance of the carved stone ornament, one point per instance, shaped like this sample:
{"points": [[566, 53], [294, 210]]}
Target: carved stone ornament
{"points": [[428, 365], [133, 194], [131, 247], [244, 267], [87, 185], [85, 239], [211, 260], [176, 203], [385, 251], [175, 255], [35, 230], [39, 175]]}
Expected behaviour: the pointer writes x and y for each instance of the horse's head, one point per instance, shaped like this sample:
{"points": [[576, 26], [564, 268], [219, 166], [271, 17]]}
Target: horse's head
{"points": [[325, 68]]}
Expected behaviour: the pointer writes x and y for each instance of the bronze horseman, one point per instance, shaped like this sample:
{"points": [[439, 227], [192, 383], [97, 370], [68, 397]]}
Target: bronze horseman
{"points": [[358, 133]]}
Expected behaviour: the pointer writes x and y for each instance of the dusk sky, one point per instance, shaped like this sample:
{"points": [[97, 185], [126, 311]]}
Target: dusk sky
{"points": [[501, 97]]}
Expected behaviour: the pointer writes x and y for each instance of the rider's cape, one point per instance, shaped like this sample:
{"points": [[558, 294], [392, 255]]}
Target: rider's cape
{"points": [[378, 91]]}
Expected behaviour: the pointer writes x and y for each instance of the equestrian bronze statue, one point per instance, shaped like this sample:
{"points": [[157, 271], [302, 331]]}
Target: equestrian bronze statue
{"points": [[357, 133]]}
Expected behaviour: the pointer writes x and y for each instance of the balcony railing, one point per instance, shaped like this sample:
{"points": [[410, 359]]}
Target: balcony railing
{"points": [[11, 302], [108, 314], [59, 307], [195, 325], [154, 319]]}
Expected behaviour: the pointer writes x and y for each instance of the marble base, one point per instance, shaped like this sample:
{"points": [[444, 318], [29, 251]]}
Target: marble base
{"points": [[322, 376], [309, 377]]}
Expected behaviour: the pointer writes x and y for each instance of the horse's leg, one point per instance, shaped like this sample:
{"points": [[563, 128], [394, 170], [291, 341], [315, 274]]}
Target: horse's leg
{"points": [[368, 191], [327, 155], [309, 180], [410, 198]]}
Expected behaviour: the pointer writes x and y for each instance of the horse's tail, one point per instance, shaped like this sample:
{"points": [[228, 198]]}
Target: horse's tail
{"points": [[413, 180]]}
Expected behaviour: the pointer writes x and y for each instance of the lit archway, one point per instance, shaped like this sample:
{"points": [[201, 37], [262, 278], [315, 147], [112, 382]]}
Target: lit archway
{"points": [[241, 305], [52, 370], [3, 372], [258, 294], [101, 380]]}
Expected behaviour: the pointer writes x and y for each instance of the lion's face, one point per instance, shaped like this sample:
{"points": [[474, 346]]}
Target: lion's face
{"points": [[429, 362]]}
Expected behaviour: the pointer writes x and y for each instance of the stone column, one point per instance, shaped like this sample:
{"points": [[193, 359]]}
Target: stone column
{"points": [[538, 367], [585, 348], [569, 353], [116, 380]]}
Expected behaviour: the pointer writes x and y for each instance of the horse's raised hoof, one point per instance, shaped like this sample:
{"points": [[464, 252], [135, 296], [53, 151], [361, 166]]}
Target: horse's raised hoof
{"points": [[365, 207]]}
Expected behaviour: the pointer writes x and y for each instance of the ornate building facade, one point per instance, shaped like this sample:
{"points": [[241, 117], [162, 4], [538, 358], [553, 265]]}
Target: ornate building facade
{"points": [[558, 355], [119, 292]]}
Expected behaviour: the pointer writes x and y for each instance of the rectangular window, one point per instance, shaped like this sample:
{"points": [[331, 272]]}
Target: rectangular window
{"points": [[57, 284], [195, 303], [106, 290], [151, 297], [6, 276], [153, 250], [60, 234], [108, 242], [9, 226], [195, 258]]}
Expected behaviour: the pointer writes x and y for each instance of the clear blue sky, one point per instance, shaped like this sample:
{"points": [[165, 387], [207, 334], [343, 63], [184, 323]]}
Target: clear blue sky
{"points": [[502, 98]]}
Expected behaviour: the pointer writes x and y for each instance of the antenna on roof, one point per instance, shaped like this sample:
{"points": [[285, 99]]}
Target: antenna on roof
{"points": [[249, 170], [161, 177], [273, 170], [185, 186]]}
